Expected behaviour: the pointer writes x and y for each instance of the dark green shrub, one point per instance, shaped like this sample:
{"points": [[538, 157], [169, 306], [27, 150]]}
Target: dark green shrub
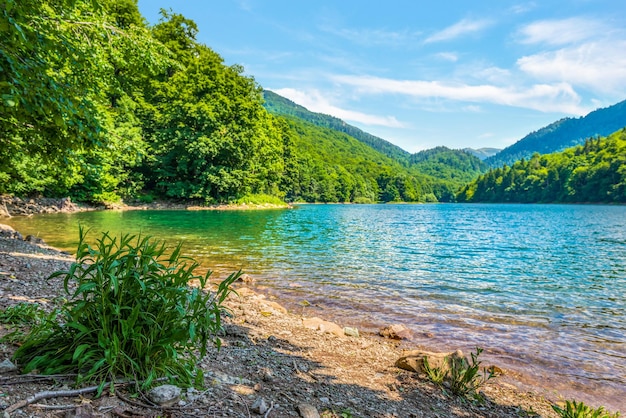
{"points": [[131, 314]]}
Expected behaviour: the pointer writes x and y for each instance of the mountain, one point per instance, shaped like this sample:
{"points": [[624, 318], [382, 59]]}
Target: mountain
{"points": [[563, 134], [280, 105], [590, 173], [482, 153], [332, 166], [455, 166]]}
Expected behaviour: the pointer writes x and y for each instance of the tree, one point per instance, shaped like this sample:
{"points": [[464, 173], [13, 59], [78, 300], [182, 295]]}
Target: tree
{"points": [[58, 61]]}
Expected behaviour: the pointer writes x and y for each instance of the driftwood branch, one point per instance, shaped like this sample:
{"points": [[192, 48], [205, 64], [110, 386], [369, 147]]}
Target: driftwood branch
{"points": [[47, 394]]}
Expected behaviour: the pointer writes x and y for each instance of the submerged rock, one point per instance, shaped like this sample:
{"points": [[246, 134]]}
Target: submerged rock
{"points": [[395, 332], [34, 240]]}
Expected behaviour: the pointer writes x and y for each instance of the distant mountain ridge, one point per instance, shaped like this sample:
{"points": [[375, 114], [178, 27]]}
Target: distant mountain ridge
{"points": [[562, 134], [482, 153], [280, 105], [448, 164]]}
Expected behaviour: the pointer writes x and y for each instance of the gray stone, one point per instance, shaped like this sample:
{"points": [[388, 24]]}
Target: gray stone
{"points": [[33, 239], [165, 395], [259, 406], [308, 411], [8, 232], [7, 367]]}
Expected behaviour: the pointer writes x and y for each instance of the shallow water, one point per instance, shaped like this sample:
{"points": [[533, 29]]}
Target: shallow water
{"points": [[540, 287]]}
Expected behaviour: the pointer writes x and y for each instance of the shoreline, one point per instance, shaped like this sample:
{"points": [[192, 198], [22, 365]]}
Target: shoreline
{"points": [[263, 315], [15, 206]]}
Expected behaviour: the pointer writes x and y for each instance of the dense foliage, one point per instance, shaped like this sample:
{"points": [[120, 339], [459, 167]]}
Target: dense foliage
{"points": [[132, 313], [338, 162], [279, 105], [562, 134], [593, 172], [71, 75], [445, 164], [96, 105], [334, 167]]}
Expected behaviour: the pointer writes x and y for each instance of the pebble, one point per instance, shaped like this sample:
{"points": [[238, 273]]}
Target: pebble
{"points": [[259, 406], [6, 366], [308, 411], [351, 332], [165, 395]]}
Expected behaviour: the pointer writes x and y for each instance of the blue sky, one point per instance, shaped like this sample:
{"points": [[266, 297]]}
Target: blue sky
{"points": [[425, 73]]}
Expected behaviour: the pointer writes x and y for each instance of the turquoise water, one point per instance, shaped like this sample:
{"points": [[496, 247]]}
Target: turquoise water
{"points": [[540, 287]]}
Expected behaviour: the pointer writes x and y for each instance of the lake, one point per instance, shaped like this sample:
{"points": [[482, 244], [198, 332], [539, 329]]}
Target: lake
{"points": [[540, 287]]}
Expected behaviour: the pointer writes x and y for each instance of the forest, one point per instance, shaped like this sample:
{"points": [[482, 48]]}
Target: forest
{"points": [[98, 105], [593, 172]]}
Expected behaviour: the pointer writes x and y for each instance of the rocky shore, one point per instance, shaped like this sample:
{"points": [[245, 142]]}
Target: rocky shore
{"points": [[273, 363], [16, 206]]}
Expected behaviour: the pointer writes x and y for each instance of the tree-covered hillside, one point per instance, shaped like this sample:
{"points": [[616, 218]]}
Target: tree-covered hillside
{"points": [[97, 105], [446, 164], [279, 105], [594, 172], [563, 134], [332, 166]]}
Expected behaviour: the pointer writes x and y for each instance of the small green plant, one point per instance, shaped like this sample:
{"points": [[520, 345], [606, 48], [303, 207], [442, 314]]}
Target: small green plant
{"points": [[460, 376], [575, 409], [131, 314], [25, 317], [435, 374], [22, 314]]}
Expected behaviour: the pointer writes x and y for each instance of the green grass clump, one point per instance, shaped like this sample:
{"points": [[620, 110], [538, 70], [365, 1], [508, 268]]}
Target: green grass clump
{"points": [[460, 376], [22, 314], [575, 409], [24, 318], [131, 314], [260, 199]]}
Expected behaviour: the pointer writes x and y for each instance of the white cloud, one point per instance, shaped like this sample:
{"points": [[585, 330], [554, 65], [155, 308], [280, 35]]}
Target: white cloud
{"points": [[315, 101], [599, 66], [460, 28], [523, 8], [371, 37], [557, 97], [448, 56], [473, 109], [494, 75], [561, 32]]}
